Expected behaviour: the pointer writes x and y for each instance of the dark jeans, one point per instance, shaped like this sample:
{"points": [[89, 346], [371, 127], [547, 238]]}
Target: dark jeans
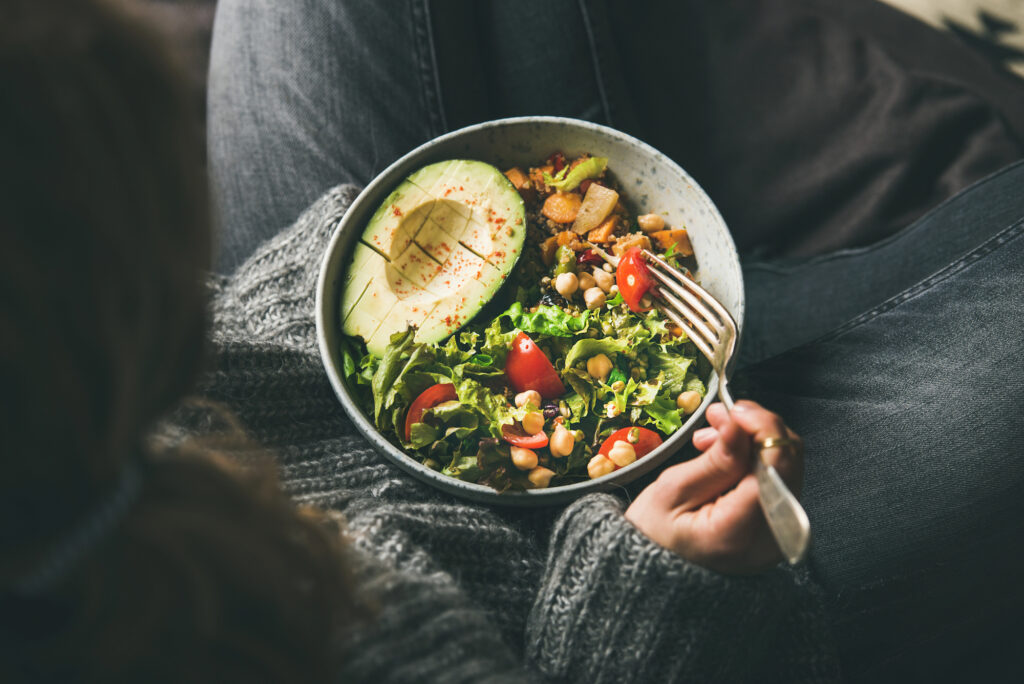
{"points": [[899, 360]]}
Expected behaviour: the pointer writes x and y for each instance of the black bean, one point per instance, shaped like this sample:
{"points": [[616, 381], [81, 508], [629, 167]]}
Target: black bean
{"points": [[553, 299]]}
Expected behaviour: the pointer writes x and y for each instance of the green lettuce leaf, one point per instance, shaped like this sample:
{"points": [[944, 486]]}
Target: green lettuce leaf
{"points": [[673, 368], [453, 414], [392, 365], [585, 387], [497, 341], [664, 414], [587, 347], [578, 407], [646, 393], [570, 179], [421, 435], [463, 468], [547, 320], [494, 408]]}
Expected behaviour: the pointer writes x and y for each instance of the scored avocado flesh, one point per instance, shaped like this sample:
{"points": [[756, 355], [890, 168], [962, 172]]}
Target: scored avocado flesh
{"points": [[433, 253]]}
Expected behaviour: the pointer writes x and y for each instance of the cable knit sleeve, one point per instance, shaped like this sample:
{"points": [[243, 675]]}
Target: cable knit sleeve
{"points": [[614, 606], [270, 298], [462, 590]]}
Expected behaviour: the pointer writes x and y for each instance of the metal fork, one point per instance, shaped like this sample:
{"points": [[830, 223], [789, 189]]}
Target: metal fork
{"points": [[714, 332], [712, 329]]}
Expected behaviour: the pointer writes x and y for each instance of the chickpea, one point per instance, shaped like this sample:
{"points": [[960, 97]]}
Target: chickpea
{"points": [[562, 441], [540, 477], [650, 223], [603, 279], [622, 453], [533, 422], [528, 397], [599, 466], [608, 268], [594, 297], [599, 366], [586, 281], [524, 459], [689, 401], [566, 284]]}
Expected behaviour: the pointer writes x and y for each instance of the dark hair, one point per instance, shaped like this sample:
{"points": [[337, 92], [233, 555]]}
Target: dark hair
{"points": [[104, 243]]}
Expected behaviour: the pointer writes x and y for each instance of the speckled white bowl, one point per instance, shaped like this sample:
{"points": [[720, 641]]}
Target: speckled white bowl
{"points": [[652, 182]]}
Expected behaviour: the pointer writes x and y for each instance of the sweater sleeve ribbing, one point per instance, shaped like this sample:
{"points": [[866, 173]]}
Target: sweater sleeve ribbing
{"points": [[614, 606]]}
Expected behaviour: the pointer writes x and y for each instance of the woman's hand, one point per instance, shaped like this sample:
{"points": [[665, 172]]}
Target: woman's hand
{"points": [[707, 509]]}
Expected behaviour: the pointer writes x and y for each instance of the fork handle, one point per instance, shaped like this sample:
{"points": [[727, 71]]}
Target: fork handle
{"points": [[787, 519]]}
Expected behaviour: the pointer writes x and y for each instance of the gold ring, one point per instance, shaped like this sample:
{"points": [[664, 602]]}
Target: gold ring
{"points": [[780, 442]]}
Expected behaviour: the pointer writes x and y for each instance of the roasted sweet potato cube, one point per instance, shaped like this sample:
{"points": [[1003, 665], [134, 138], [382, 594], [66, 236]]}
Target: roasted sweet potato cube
{"points": [[516, 176], [678, 237], [604, 233]]}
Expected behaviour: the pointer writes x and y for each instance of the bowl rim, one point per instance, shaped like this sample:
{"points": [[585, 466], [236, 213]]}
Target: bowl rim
{"points": [[472, 490]]}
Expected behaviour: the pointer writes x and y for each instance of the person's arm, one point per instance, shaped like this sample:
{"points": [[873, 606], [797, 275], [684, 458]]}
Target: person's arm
{"points": [[611, 602], [616, 606]]}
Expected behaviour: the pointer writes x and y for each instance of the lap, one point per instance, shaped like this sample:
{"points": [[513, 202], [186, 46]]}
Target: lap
{"points": [[911, 417], [914, 408]]}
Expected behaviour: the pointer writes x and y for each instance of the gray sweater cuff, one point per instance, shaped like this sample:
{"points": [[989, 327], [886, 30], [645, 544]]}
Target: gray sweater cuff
{"points": [[614, 606]]}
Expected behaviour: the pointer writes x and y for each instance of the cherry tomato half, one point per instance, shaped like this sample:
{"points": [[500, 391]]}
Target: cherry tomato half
{"points": [[526, 368], [647, 441], [633, 279], [429, 398], [515, 434]]}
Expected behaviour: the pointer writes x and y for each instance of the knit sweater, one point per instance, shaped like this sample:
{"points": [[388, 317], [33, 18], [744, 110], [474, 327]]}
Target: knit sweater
{"points": [[464, 592]]}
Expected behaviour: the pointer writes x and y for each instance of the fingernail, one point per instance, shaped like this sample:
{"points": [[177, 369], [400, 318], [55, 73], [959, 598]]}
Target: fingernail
{"points": [[740, 408], [705, 432]]}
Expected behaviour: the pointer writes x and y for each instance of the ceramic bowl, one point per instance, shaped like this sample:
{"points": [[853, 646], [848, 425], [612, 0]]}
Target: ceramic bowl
{"points": [[652, 182]]}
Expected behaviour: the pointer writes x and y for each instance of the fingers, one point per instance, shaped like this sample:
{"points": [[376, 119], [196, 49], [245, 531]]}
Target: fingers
{"points": [[762, 424], [704, 438], [732, 534], [726, 459]]}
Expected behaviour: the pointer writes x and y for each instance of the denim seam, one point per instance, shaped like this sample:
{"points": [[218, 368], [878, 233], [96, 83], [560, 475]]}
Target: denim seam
{"points": [[595, 58], [425, 57], [898, 235], [992, 244], [995, 242], [432, 48]]}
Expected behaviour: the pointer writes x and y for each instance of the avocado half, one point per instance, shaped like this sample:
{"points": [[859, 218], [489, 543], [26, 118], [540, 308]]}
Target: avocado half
{"points": [[433, 254]]}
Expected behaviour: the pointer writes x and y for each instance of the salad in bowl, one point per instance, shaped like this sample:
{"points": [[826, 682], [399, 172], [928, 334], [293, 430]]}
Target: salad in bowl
{"points": [[492, 328]]}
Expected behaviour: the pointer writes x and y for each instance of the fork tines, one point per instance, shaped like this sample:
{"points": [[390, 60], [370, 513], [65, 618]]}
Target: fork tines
{"points": [[694, 309]]}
